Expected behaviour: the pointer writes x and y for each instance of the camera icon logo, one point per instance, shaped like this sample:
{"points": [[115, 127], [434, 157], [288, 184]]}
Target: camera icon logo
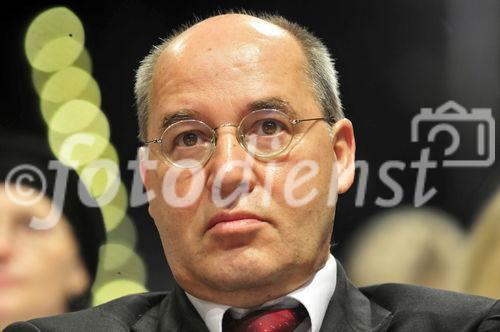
{"points": [[477, 127]]}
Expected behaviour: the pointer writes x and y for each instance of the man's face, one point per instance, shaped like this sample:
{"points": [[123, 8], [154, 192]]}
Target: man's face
{"points": [[270, 244], [39, 269]]}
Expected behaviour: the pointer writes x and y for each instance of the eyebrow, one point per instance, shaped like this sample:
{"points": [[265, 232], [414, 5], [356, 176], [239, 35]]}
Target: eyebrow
{"points": [[268, 103], [273, 103], [184, 114]]}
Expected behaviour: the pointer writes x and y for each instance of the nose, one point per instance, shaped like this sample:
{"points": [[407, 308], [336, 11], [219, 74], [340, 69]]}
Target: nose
{"points": [[230, 169], [6, 241]]}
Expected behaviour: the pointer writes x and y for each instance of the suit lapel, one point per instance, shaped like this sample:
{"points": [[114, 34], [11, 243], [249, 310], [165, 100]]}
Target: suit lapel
{"points": [[350, 310], [174, 313]]}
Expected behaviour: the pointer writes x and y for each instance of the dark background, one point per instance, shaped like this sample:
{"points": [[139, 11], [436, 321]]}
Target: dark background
{"points": [[393, 58]]}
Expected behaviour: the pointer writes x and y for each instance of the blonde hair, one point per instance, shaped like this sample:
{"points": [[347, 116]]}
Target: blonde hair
{"points": [[407, 245], [481, 274]]}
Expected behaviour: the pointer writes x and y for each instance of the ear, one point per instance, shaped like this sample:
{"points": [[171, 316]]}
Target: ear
{"points": [[143, 155], [344, 148], [145, 166]]}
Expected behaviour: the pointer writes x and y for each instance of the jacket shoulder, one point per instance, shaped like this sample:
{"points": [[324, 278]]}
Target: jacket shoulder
{"points": [[116, 315], [433, 309]]}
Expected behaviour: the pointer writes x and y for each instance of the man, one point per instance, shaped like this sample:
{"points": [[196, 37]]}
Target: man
{"points": [[247, 149], [43, 270]]}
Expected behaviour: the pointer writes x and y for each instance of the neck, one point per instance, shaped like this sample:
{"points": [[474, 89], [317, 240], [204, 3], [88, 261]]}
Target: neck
{"points": [[252, 297]]}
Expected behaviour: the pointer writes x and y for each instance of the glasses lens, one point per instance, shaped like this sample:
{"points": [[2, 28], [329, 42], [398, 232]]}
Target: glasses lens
{"points": [[266, 132], [187, 143]]}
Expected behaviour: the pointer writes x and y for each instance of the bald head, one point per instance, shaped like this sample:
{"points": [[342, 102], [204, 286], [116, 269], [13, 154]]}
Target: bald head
{"points": [[232, 42], [221, 30]]}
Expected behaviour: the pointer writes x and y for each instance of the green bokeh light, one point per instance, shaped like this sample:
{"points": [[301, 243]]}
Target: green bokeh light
{"points": [[71, 83], [125, 232], [101, 177], [110, 153], [79, 115], [54, 39], [122, 261], [114, 255], [116, 288], [78, 134], [65, 85], [39, 78], [77, 149], [114, 212]]}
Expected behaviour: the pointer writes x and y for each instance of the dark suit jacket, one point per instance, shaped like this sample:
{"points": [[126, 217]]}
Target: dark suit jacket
{"points": [[388, 307]]}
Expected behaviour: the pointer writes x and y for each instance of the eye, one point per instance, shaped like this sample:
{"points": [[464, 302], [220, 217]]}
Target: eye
{"points": [[189, 139], [269, 127]]}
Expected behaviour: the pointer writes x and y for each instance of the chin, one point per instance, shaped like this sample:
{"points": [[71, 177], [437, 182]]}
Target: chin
{"points": [[243, 279], [244, 270]]}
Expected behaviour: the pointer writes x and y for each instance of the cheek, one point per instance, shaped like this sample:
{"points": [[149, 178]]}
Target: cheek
{"points": [[164, 220], [304, 205], [179, 228], [304, 184], [47, 261], [177, 189]]}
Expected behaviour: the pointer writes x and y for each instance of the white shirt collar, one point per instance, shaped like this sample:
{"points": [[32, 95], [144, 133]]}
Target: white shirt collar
{"points": [[314, 296]]}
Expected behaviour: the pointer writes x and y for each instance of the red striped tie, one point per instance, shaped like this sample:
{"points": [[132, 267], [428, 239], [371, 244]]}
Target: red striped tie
{"points": [[275, 320]]}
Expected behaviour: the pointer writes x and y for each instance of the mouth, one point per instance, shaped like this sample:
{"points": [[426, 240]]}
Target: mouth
{"points": [[234, 222]]}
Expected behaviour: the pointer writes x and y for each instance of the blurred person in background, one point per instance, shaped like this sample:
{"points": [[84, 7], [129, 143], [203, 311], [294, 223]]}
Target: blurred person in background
{"points": [[407, 245], [42, 271], [482, 265]]}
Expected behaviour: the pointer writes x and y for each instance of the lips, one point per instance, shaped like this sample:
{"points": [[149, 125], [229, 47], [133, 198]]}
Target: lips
{"points": [[225, 217]]}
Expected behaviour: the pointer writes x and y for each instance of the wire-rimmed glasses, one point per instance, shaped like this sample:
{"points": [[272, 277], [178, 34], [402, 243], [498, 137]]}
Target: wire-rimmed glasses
{"points": [[264, 134]]}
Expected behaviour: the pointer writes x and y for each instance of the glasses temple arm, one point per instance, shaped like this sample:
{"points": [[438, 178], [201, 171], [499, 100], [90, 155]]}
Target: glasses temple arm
{"points": [[328, 119], [156, 140]]}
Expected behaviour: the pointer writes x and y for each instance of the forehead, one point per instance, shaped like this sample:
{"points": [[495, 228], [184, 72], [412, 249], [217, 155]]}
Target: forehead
{"points": [[230, 40], [228, 62], [22, 198], [23, 201]]}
